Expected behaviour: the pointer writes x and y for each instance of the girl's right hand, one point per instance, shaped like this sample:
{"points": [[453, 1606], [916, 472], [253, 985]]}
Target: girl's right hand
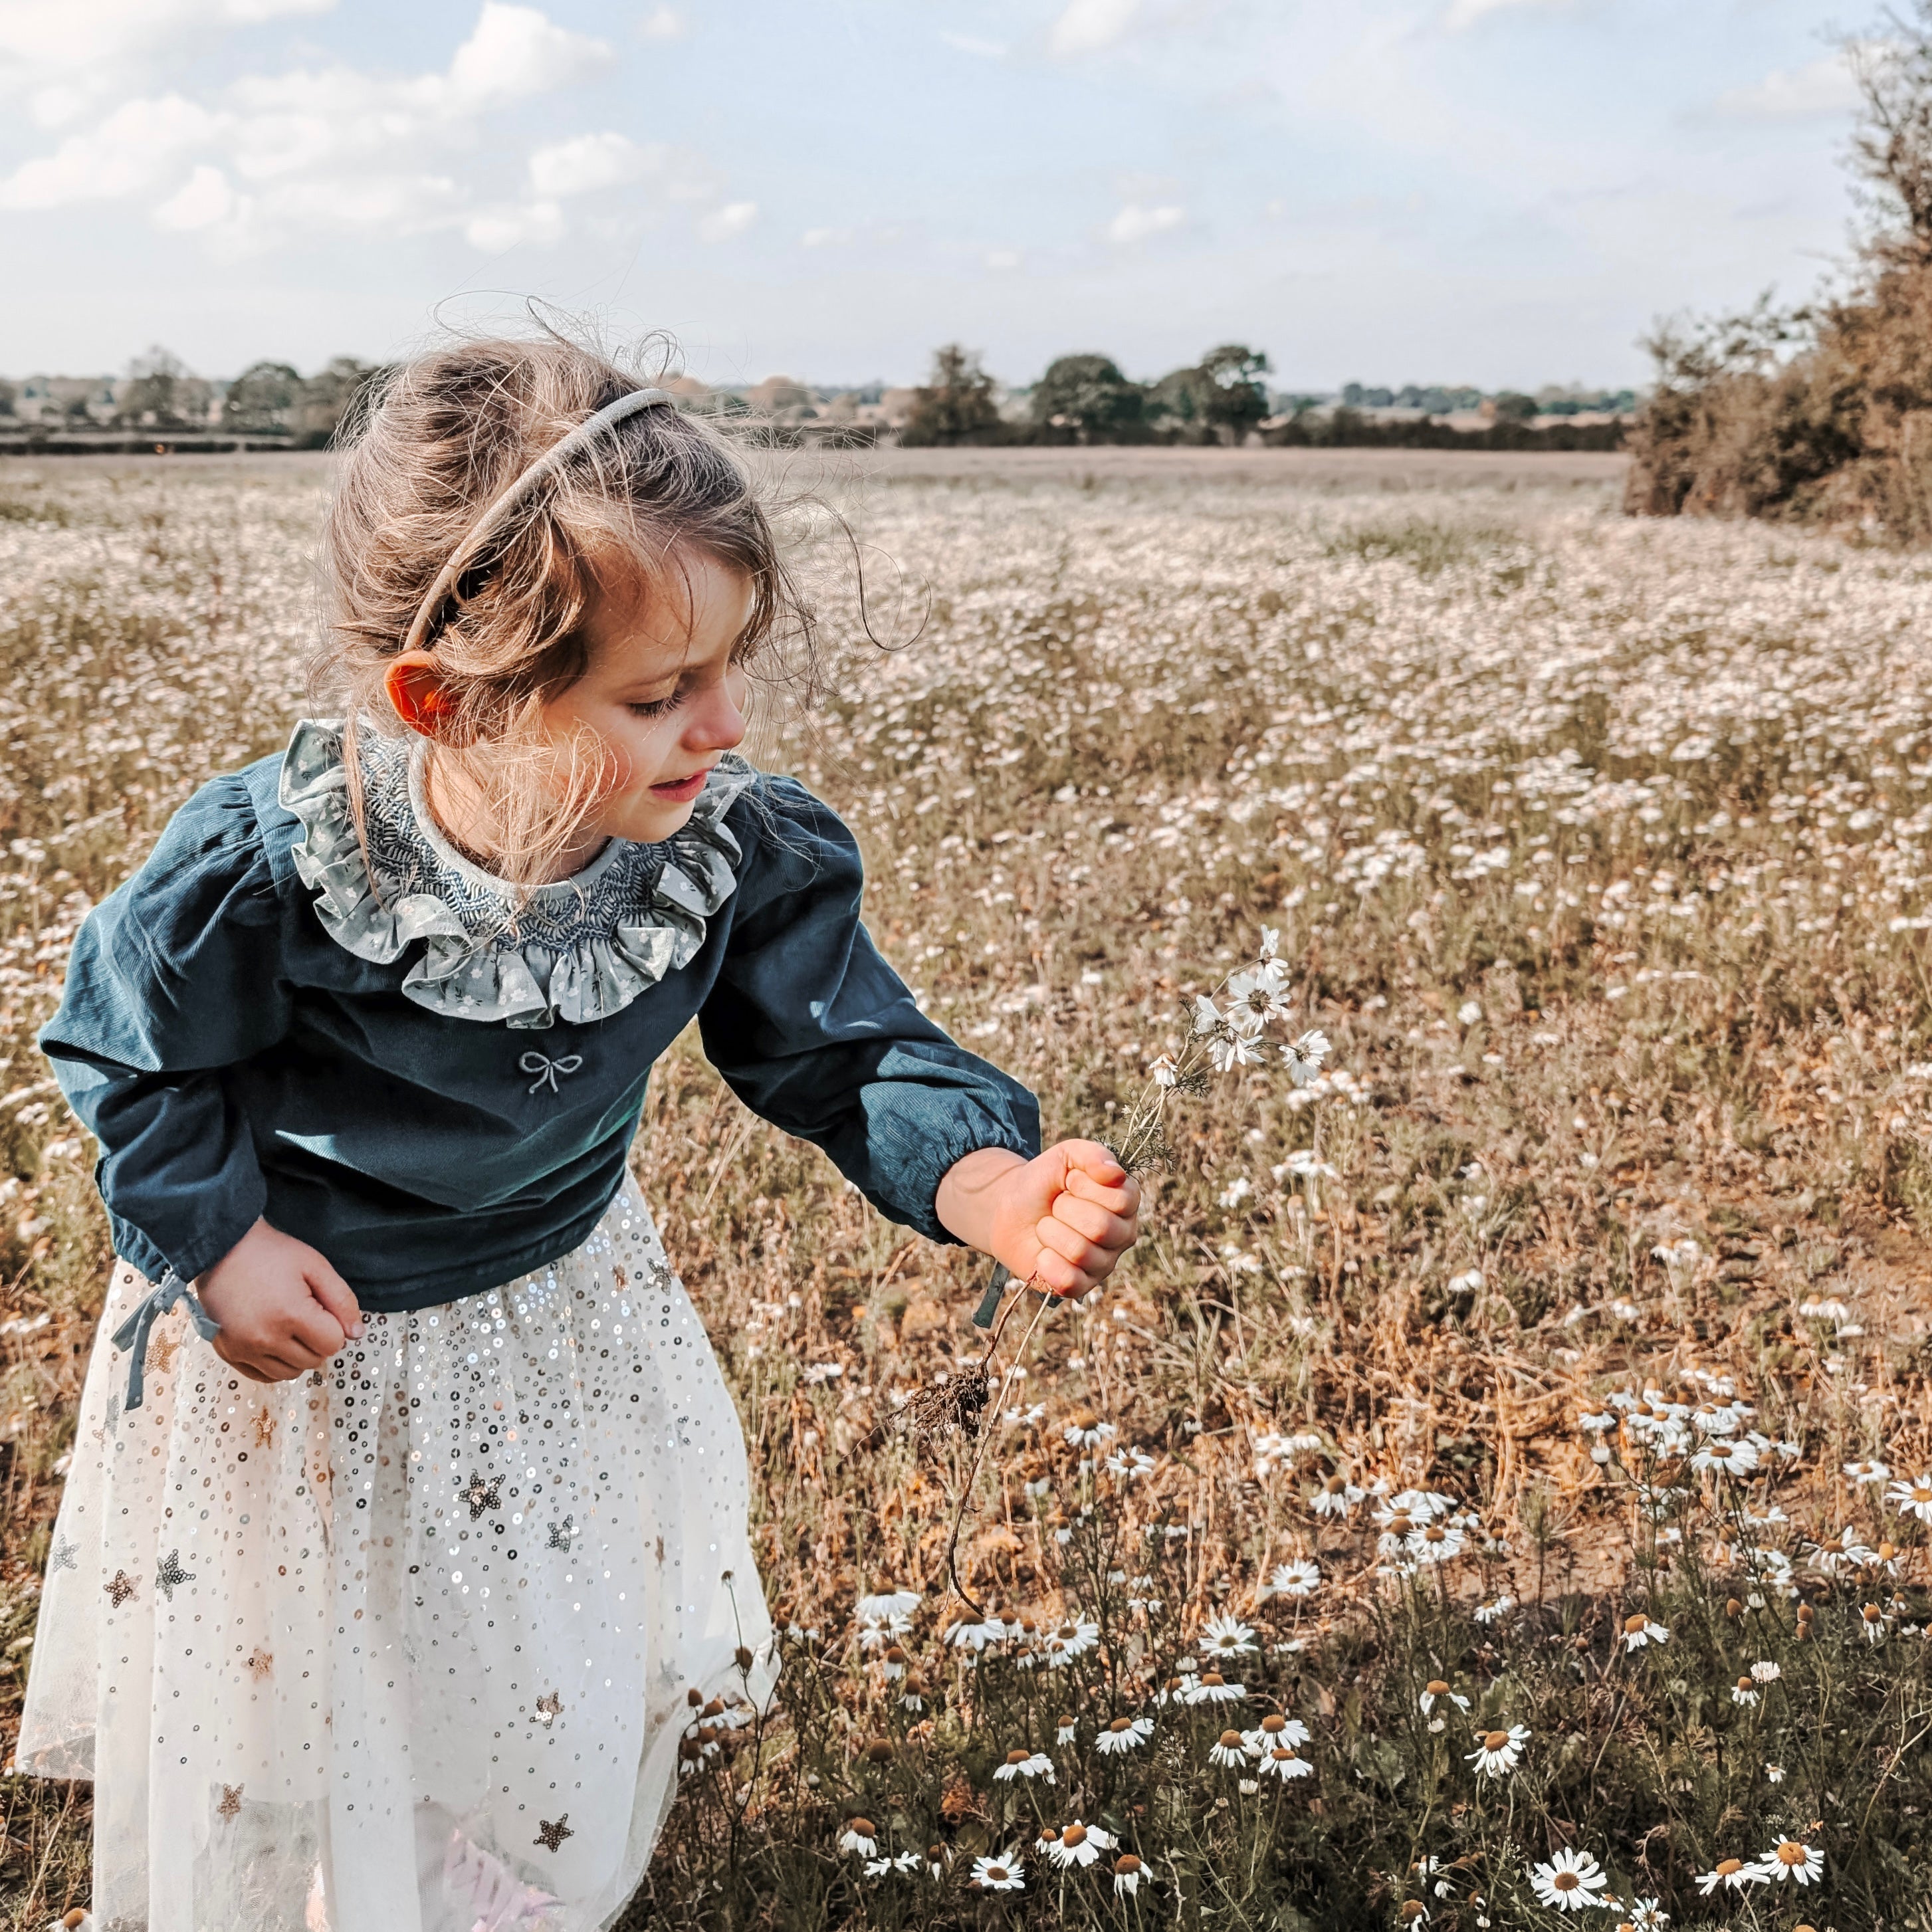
{"points": [[283, 1309]]}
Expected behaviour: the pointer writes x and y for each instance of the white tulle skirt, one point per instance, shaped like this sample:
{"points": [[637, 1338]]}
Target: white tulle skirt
{"points": [[404, 1645]]}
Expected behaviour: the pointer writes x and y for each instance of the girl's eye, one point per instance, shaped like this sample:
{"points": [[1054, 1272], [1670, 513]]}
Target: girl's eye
{"points": [[655, 707]]}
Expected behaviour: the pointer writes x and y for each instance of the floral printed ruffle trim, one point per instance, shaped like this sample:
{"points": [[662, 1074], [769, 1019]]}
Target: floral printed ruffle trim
{"points": [[581, 949]]}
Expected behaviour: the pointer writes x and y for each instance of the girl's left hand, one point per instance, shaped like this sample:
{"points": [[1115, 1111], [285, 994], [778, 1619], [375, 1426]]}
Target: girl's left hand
{"points": [[1061, 1220]]}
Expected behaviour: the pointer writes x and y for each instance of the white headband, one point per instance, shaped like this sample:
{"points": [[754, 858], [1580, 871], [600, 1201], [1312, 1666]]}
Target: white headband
{"points": [[560, 451]]}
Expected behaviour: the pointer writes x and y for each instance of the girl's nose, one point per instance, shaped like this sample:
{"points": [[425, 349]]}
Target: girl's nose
{"points": [[718, 720]]}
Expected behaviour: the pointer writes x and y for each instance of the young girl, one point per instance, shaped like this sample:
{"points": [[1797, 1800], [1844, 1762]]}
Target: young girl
{"points": [[393, 1545]]}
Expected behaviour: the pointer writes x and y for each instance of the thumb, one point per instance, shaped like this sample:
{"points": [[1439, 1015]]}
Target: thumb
{"points": [[1090, 1158], [337, 1296]]}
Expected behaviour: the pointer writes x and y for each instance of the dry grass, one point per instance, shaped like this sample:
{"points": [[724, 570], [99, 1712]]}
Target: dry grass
{"points": [[1595, 845]]}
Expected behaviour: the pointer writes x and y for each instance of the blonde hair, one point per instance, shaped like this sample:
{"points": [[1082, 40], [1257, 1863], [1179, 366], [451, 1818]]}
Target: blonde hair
{"points": [[446, 435]]}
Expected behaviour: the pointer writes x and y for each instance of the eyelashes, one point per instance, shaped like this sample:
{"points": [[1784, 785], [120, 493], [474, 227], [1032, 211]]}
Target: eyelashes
{"points": [[657, 707]]}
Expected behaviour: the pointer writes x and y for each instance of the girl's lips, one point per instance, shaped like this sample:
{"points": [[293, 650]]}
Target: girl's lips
{"points": [[676, 791]]}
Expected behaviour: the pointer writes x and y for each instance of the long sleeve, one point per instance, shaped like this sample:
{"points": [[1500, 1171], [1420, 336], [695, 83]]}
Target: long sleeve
{"points": [[173, 978], [814, 1030]]}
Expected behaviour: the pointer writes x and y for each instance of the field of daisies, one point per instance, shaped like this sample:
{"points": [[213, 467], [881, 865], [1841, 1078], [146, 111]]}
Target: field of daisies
{"points": [[1497, 1493]]}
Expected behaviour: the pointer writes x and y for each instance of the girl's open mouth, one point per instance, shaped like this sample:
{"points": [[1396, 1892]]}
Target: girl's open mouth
{"points": [[677, 791]]}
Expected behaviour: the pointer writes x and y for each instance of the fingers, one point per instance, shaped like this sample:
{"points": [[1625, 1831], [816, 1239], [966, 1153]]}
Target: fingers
{"points": [[337, 1296], [1120, 1197], [1089, 1260], [1086, 1218], [262, 1365], [1091, 1158], [311, 1331]]}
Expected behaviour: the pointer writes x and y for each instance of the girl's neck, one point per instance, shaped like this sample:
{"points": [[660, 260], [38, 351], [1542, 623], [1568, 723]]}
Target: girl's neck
{"points": [[463, 817]]}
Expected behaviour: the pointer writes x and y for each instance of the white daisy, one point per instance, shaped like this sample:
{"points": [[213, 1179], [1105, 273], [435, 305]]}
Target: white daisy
{"points": [[1230, 1050], [1078, 1845], [1500, 1751], [1257, 998], [1647, 1915], [1063, 1732], [1570, 1880], [1790, 1859], [860, 1838], [1863, 1472], [1229, 1751], [1225, 1635], [1069, 1640], [1335, 1496], [1300, 1578], [1023, 1763], [1437, 1542], [1304, 1058], [1002, 1871], [889, 1601], [1435, 1688], [1912, 1498], [1274, 1731], [1729, 1875], [1282, 1761], [1488, 1613], [1126, 1875], [1214, 1688], [1123, 1735], [1087, 1431], [1716, 1458], [1639, 1630], [1745, 1692]]}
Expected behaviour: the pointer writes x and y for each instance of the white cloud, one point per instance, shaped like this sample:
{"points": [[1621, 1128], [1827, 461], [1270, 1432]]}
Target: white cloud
{"points": [[1001, 259], [42, 37], [722, 223], [204, 200], [589, 162], [1086, 26], [1820, 87], [1466, 13], [969, 43], [826, 238], [121, 157], [513, 52], [663, 23], [1135, 223], [495, 229], [341, 149]]}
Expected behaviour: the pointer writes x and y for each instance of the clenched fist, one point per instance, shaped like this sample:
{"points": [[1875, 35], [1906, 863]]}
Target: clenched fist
{"points": [[1060, 1220], [283, 1309]]}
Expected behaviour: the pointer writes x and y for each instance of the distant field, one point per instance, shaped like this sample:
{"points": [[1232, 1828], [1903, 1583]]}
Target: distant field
{"points": [[1597, 848]]}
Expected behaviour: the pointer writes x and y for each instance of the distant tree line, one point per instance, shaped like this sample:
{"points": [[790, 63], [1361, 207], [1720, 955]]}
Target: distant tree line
{"points": [[1820, 413], [1220, 400], [160, 394]]}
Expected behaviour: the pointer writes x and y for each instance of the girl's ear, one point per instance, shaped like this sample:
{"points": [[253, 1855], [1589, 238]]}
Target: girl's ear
{"points": [[416, 691]]}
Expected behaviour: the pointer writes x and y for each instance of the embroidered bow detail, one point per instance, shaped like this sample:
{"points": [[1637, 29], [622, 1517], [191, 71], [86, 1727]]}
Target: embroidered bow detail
{"points": [[132, 1333], [547, 1069]]}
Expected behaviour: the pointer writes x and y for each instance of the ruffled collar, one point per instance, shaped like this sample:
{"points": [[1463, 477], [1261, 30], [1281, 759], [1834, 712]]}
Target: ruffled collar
{"points": [[580, 949]]}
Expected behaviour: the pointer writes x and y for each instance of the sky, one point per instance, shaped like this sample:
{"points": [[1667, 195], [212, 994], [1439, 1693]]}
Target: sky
{"points": [[1503, 193]]}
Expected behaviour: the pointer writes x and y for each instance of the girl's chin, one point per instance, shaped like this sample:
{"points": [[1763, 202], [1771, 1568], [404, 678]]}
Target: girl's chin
{"points": [[646, 818]]}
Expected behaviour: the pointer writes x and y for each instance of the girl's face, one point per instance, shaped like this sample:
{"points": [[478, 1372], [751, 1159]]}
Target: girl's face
{"points": [[664, 695]]}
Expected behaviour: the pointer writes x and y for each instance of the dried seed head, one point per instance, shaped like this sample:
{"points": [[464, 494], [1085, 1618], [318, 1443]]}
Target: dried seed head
{"points": [[1436, 1687]]}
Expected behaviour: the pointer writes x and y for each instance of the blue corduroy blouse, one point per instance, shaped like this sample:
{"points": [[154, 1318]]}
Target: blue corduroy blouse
{"points": [[276, 1017]]}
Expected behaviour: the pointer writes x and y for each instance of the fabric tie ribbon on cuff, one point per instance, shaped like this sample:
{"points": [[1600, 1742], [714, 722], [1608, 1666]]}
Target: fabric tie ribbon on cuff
{"points": [[132, 1333]]}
